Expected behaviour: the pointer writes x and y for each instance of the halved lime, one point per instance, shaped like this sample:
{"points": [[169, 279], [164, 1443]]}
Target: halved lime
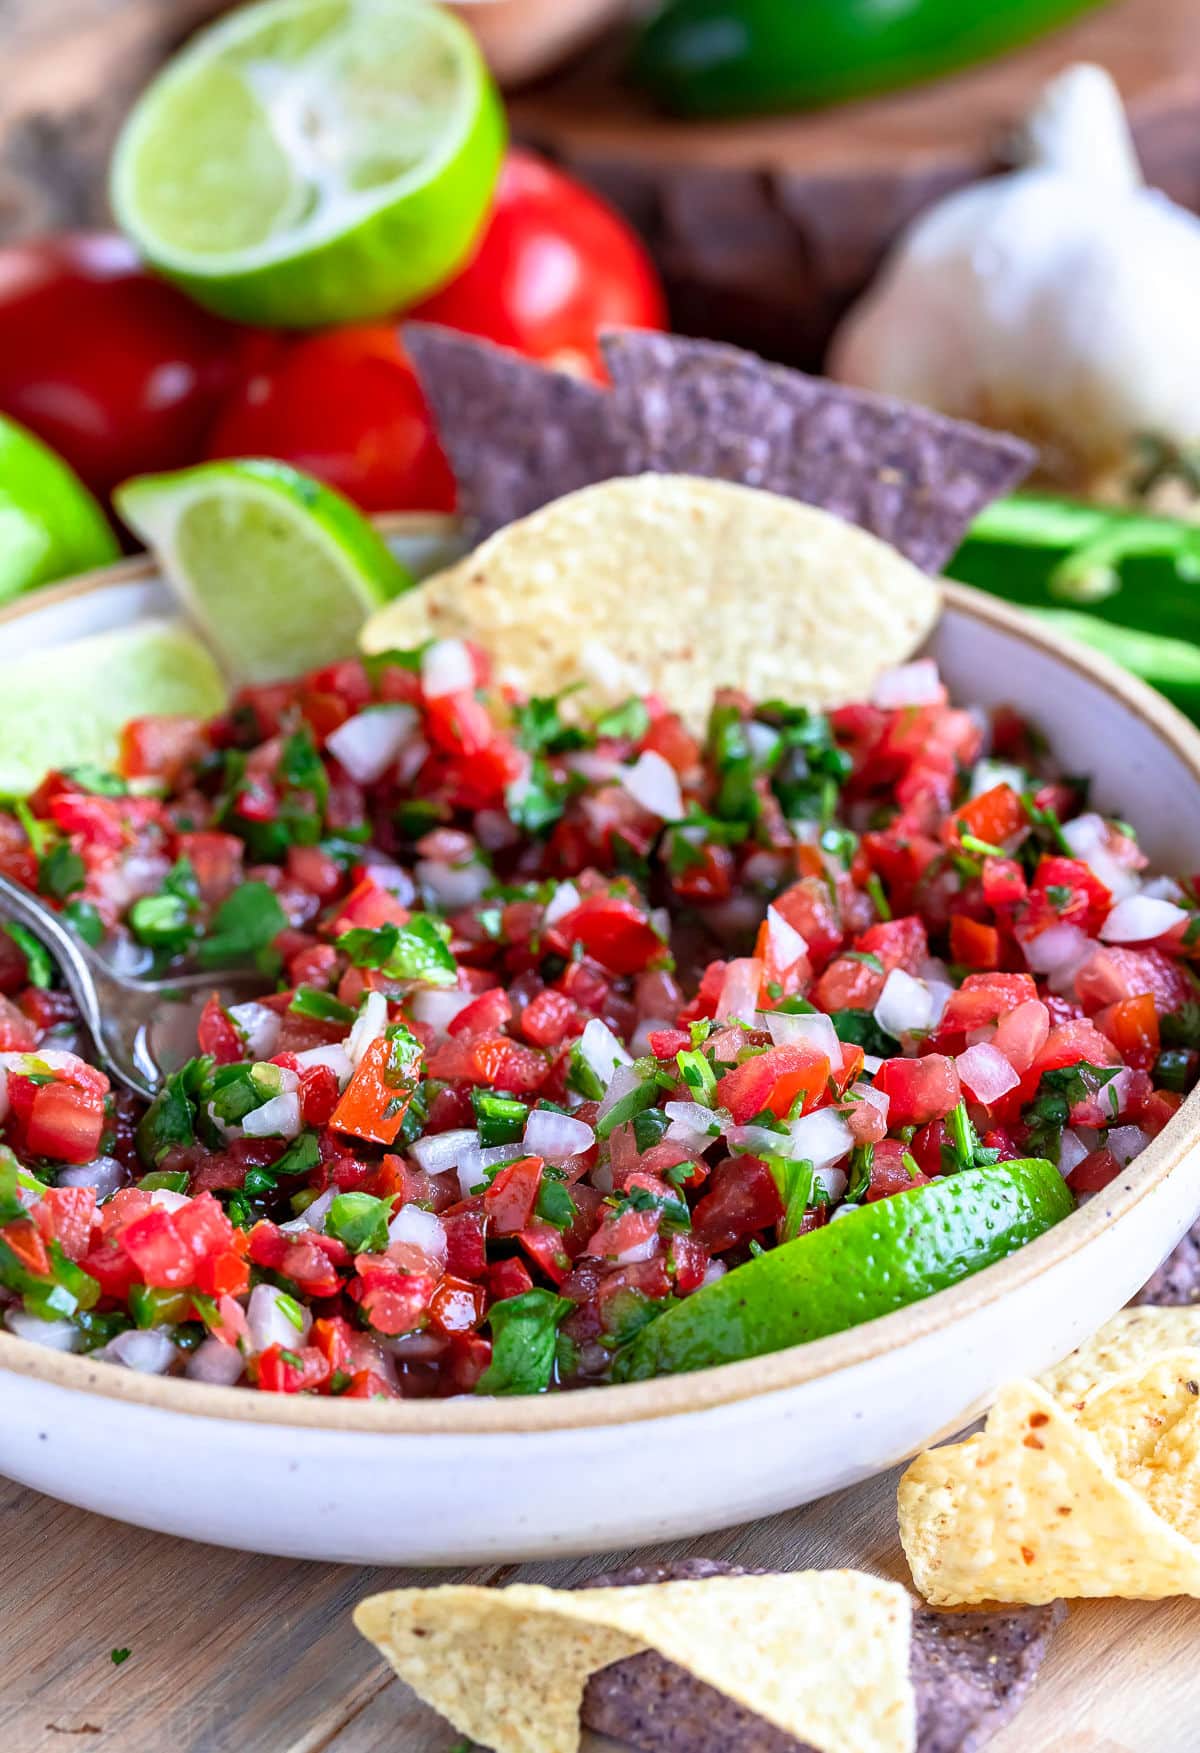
{"points": [[64, 707], [50, 526], [278, 572], [874, 1260], [313, 161]]}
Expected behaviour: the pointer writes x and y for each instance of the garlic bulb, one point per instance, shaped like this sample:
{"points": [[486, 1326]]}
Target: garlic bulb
{"points": [[1057, 302]]}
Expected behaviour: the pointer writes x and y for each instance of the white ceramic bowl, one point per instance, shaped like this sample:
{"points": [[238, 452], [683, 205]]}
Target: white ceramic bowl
{"points": [[447, 1482]]}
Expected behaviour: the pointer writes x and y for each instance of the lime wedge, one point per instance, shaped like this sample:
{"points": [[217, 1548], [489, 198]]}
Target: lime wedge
{"points": [[874, 1260], [50, 526], [313, 161], [64, 707], [278, 572]]}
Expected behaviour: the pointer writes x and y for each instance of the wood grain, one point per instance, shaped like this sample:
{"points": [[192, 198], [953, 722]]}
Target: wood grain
{"points": [[232, 1653], [71, 69], [766, 229]]}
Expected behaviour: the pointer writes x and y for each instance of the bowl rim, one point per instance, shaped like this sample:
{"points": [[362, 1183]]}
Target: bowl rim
{"points": [[722, 1384]]}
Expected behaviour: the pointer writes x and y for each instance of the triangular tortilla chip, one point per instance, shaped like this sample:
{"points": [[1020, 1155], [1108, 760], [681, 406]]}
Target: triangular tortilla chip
{"points": [[508, 1667], [676, 586], [1169, 1477], [1133, 1338], [1128, 1415], [1031, 1509]]}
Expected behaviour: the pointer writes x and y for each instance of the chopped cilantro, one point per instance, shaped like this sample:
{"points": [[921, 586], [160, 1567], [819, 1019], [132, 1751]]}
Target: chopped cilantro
{"points": [[962, 1149], [417, 950], [301, 1156], [862, 1161], [629, 720], [323, 1007], [794, 1181], [642, 1095], [39, 964], [98, 780], [1181, 1028], [697, 1074], [1058, 1091], [1060, 896], [116, 1657], [554, 1203], [524, 1336], [880, 900], [360, 1221], [540, 727], [245, 925], [61, 872], [868, 958], [84, 920], [171, 1117], [859, 1029], [675, 1214], [499, 1119]]}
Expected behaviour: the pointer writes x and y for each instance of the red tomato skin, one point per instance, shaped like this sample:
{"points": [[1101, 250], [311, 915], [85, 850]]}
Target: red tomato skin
{"points": [[116, 370], [554, 265], [65, 1122], [919, 1090], [345, 406]]}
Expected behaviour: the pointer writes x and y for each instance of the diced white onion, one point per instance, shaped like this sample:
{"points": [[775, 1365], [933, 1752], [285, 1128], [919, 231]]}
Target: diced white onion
{"points": [[367, 744], [1140, 918], [259, 1026], [654, 783], [987, 775], [832, 1180], [149, 1350], [939, 997], [451, 886], [564, 900], [555, 1137], [469, 1168], [763, 740], [739, 990], [54, 1335], [814, 1027], [624, 1080], [217, 1364], [866, 1092], [692, 1124], [278, 1118], [168, 1199], [1163, 888], [1088, 837], [871, 1062], [822, 1137], [313, 1216], [758, 1140], [423, 1229], [446, 668], [369, 1024], [600, 1050], [1059, 946], [787, 944], [986, 1073], [905, 1006], [637, 1252], [714, 1270], [440, 1151], [267, 1324], [1126, 1142], [334, 1056], [106, 1174], [1072, 1151], [437, 1006], [908, 684]]}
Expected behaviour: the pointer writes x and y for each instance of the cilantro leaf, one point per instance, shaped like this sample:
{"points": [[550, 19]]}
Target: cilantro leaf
{"points": [[417, 950], [360, 1221], [39, 963], [524, 1337], [245, 925], [859, 1029]]}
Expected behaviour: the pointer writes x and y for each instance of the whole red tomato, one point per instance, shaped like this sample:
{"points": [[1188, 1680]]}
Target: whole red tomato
{"points": [[554, 265], [117, 371], [344, 405]]}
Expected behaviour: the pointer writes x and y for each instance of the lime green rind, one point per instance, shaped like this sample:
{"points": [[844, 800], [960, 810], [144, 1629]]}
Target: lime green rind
{"points": [[66, 706], [278, 571], [50, 525], [375, 253], [869, 1263]]}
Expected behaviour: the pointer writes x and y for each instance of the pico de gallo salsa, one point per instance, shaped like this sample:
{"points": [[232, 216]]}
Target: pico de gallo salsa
{"points": [[564, 1016]]}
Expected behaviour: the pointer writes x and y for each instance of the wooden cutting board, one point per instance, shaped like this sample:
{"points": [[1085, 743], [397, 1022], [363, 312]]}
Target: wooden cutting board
{"points": [[766, 229], [230, 1653]]}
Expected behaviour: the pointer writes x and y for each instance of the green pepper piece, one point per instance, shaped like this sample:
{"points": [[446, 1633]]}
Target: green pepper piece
{"points": [[739, 57]]}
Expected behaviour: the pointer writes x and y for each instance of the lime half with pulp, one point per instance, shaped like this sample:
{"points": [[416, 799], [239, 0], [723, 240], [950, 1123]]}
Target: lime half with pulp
{"points": [[313, 161], [875, 1260], [65, 706], [277, 571], [50, 526]]}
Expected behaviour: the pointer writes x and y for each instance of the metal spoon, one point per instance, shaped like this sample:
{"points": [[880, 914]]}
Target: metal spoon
{"points": [[122, 1014]]}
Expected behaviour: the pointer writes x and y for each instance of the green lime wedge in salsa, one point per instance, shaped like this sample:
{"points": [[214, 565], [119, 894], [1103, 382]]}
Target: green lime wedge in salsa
{"points": [[313, 161], [50, 526], [278, 571], [874, 1260], [64, 707]]}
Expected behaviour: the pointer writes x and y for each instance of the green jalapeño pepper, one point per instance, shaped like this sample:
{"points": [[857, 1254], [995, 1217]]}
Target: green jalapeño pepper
{"points": [[739, 57]]}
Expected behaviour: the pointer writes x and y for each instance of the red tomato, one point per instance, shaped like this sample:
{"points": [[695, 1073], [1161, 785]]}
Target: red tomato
{"points": [[613, 930], [553, 267], [509, 1201], [344, 405], [118, 371], [919, 1090], [65, 1122], [774, 1080], [742, 1199]]}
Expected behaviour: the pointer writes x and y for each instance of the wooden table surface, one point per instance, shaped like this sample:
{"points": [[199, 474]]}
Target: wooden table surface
{"points": [[233, 1653]]}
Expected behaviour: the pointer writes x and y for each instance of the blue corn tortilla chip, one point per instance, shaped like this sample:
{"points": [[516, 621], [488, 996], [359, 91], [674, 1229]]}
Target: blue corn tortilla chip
{"points": [[970, 1673], [914, 478], [517, 435]]}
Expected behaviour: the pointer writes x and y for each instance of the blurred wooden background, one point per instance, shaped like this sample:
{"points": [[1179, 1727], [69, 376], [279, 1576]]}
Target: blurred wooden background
{"points": [[764, 230]]}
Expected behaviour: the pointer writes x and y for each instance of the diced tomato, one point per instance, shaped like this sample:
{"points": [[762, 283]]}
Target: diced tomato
{"points": [[332, 1336], [485, 1015], [267, 1245], [776, 1079], [17, 1033], [508, 1203], [223, 1274], [666, 1043], [899, 943], [456, 1306], [1073, 1044], [284, 1371], [546, 1247], [808, 909], [508, 1278], [1132, 1026], [687, 1262], [66, 1215], [918, 1090], [1094, 1173], [217, 1033], [550, 1019], [993, 816], [1003, 882], [613, 931], [707, 877], [159, 748], [1114, 972], [889, 1172], [1021, 1033], [493, 1060], [1074, 891], [400, 1305], [849, 984], [162, 1256], [318, 1094], [742, 1199], [982, 998], [973, 944], [369, 905], [466, 1252], [24, 1239], [65, 1122], [376, 1099]]}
